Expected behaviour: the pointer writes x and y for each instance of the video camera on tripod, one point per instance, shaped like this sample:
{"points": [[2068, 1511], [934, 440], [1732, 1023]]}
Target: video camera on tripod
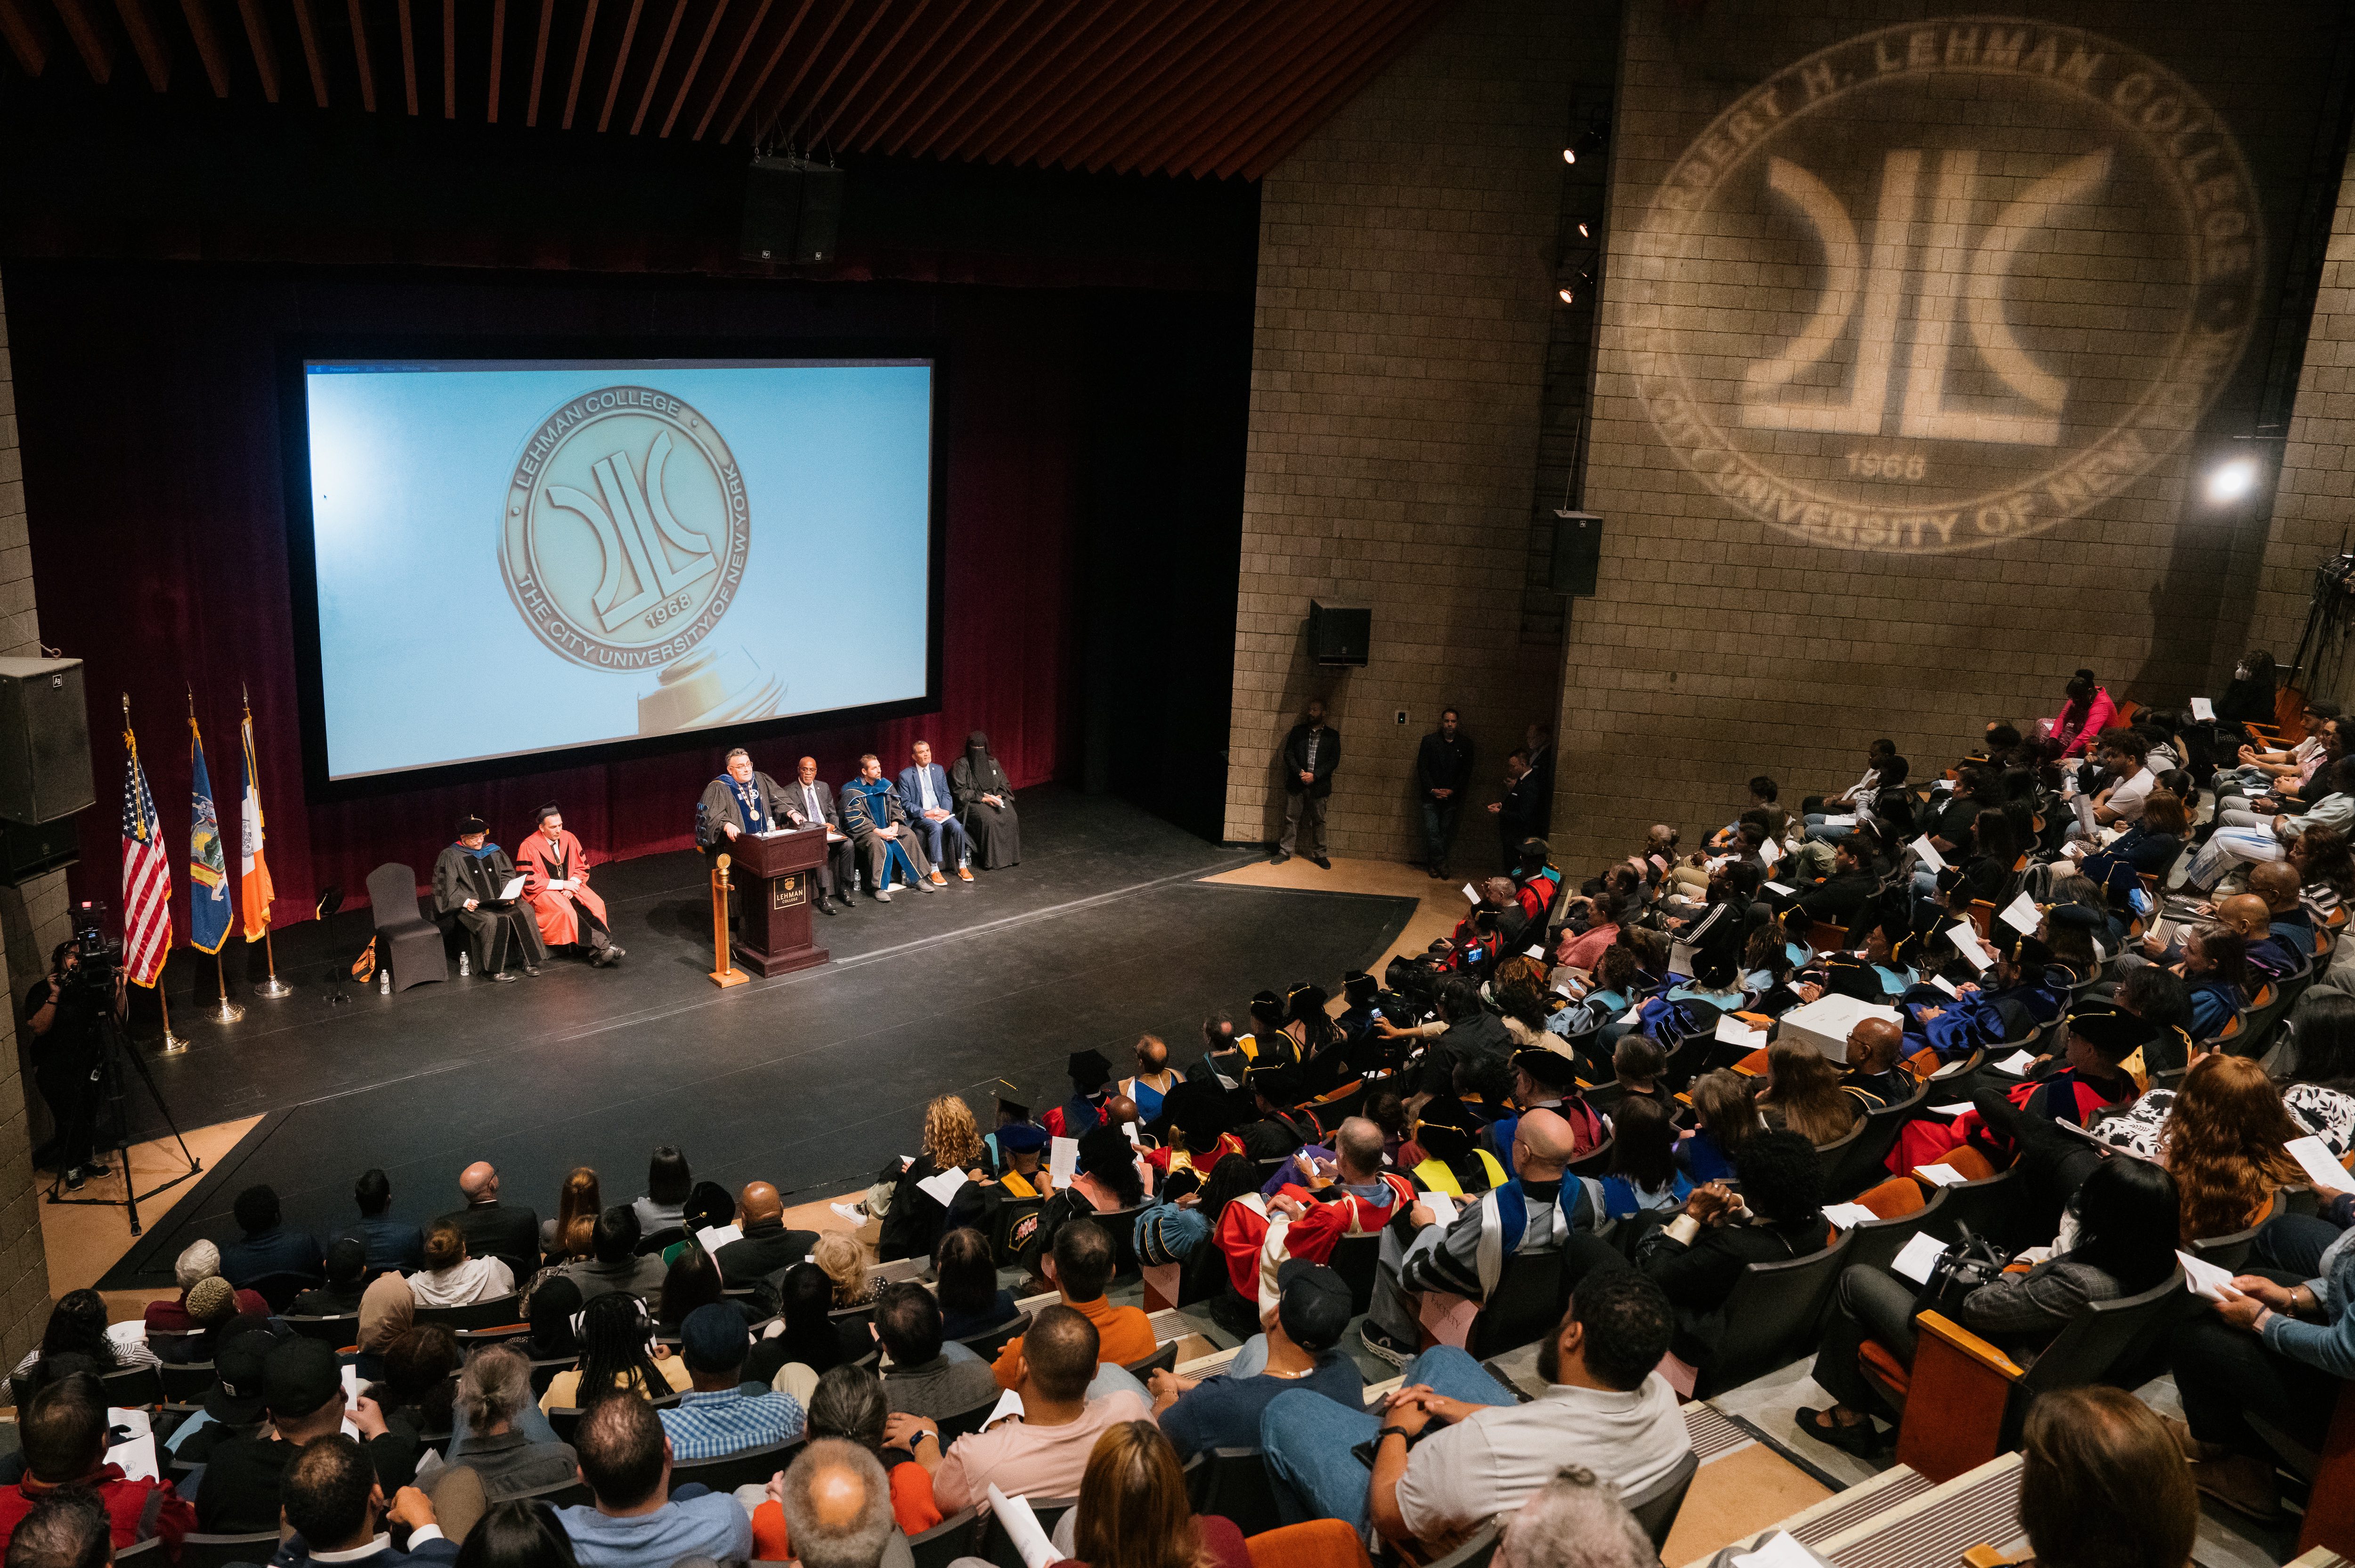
{"points": [[97, 956]]}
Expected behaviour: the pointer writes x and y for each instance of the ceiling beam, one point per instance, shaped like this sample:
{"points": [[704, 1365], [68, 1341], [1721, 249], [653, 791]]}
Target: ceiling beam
{"points": [[950, 99], [915, 95], [257, 39], [580, 62], [850, 52], [1148, 115], [768, 69], [621, 63], [1116, 33], [540, 62], [308, 31], [1283, 126], [88, 42], [23, 41], [209, 45], [408, 59], [809, 59], [890, 92], [145, 42], [654, 76], [360, 55], [850, 94], [498, 55], [694, 64], [1072, 143], [991, 98], [735, 63]]}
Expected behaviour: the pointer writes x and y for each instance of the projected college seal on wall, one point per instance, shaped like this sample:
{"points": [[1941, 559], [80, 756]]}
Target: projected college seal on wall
{"points": [[1944, 284], [625, 529]]}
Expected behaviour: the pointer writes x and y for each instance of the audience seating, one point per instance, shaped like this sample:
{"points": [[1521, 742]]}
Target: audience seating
{"points": [[1354, 1259], [187, 1380], [220, 1551], [1234, 1482], [725, 1474], [499, 1311], [1162, 1360], [1865, 1160], [1771, 1317], [1473, 1553], [562, 1494], [1522, 1309], [2229, 1253], [989, 1341], [406, 941], [279, 1289], [1971, 1398], [1878, 1242], [338, 1331], [1991, 1206], [1656, 1506], [143, 1552], [1316, 1543], [945, 1541], [996, 1547]]}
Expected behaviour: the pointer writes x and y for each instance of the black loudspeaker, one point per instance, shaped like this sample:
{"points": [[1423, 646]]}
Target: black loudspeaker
{"points": [[793, 211], [1577, 553], [1337, 635], [43, 765]]}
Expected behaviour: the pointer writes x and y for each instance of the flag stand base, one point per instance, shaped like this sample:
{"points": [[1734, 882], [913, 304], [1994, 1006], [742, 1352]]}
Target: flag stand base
{"points": [[274, 987], [173, 1044], [228, 1012]]}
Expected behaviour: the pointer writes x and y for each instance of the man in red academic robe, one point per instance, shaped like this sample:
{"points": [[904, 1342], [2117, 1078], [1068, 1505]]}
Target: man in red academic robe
{"points": [[556, 889]]}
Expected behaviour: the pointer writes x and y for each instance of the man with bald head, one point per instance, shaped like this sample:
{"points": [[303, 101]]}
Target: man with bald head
{"points": [[2290, 925], [509, 1232], [808, 800], [837, 1505], [1536, 1212], [1874, 1045], [767, 1247]]}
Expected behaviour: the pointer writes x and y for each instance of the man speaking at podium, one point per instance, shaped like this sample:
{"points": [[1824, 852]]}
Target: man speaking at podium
{"points": [[470, 889], [738, 801]]}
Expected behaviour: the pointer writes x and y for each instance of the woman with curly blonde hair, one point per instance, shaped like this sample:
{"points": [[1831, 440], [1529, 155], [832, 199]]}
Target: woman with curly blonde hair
{"points": [[914, 1219], [2222, 1139]]}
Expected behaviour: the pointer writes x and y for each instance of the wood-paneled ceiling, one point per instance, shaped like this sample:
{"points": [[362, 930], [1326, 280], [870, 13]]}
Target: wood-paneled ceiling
{"points": [[1206, 88]]}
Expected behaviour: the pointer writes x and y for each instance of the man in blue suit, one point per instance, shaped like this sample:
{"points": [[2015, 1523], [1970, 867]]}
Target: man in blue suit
{"points": [[925, 793]]}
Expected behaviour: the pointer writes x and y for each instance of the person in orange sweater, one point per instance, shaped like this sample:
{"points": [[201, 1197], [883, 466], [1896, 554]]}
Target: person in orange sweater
{"points": [[1080, 1265], [849, 1403]]}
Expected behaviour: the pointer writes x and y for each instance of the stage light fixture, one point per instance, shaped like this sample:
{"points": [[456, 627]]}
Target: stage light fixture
{"points": [[1567, 295], [1587, 142], [2232, 480], [1569, 155]]}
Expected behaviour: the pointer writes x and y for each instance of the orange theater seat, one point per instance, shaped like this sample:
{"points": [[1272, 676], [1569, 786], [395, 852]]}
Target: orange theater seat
{"points": [[1319, 1543], [1893, 1199]]}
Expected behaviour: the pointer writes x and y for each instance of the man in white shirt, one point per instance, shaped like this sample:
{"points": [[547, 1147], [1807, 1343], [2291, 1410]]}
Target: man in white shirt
{"points": [[2120, 803], [1604, 1405]]}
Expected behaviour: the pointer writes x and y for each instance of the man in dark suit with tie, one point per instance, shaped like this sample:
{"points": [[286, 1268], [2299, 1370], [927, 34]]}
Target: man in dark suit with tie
{"points": [[810, 799], [509, 1232]]}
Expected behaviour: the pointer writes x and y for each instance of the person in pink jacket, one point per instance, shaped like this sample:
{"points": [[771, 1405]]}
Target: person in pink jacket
{"points": [[2085, 714]]}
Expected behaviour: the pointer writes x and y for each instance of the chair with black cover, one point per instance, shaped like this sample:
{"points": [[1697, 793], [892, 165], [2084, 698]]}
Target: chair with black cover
{"points": [[2229, 1253], [1523, 1308], [1770, 1316], [220, 1551], [1233, 1482], [338, 1331], [1967, 1400], [1992, 1206], [406, 941], [1878, 1242], [187, 1380], [1832, 1156], [962, 1422], [544, 1372], [989, 1341], [1656, 1506], [499, 1311], [1121, 1225], [1596, 1162], [1162, 1360], [574, 1493], [655, 1241], [1355, 1259], [724, 1475], [996, 1547], [947, 1540], [1864, 1158], [131, 1387], [280, 1289], [142, 1552], [1204, 1272]]}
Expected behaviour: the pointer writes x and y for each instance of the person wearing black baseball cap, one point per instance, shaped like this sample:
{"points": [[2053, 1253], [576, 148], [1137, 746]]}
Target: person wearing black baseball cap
{"points": [[1296, 1350], [302, 1392]]}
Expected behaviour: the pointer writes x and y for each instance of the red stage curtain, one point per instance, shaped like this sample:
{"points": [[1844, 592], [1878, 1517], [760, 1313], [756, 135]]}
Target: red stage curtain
{"points": [[148, 405]]}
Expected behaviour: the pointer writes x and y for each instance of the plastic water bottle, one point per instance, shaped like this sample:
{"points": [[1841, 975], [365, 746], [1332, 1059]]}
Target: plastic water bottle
{"points": [[384, 982], [462, 964]]}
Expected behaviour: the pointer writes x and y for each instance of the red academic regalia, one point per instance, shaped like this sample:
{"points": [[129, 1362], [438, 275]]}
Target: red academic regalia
{"points": [[542, 863]]}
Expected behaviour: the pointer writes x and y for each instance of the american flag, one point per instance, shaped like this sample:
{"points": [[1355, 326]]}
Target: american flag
{"points": [[146, 877]]}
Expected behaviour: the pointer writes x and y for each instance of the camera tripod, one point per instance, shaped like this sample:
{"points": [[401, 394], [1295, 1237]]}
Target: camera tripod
{"points": [[110, 1096]]}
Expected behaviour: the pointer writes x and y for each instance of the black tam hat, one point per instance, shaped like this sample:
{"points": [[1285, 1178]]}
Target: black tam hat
{"points": [[1552, 1068], [545, 811], [1446, 1129], [2111, 1030], [1359, 986], [1088, 1069], [467, 824], [1847, 976], [1199, 1110]]}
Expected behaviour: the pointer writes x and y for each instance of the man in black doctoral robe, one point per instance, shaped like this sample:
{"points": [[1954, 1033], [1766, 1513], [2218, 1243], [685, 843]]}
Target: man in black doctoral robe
{"points": [[468, 881], [985, 803], [740, 800]]}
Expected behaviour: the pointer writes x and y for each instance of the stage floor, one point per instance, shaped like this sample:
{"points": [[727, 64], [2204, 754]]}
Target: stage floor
{"points": [[813, 1081]]}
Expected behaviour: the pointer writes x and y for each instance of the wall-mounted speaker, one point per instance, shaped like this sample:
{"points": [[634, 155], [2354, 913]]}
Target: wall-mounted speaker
{"points": [[1577, 553], [1339, 634], [793, 211]]}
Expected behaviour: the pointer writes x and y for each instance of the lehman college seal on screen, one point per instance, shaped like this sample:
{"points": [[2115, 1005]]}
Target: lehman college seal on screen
{"points": [[625, 529], [1943, 284]]}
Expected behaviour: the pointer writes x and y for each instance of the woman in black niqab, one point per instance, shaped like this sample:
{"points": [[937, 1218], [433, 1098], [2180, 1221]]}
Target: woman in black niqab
{"points": [[985, 803]]}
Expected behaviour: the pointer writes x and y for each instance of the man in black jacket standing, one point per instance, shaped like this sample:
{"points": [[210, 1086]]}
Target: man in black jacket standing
{"points": [[1310, 754], [1444, 769]]}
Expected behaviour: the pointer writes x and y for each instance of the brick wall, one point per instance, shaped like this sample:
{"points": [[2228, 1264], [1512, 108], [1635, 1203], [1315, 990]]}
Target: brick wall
{"points": [[32, 918], [2314, 503], [1398, 357], [1789, 228]]}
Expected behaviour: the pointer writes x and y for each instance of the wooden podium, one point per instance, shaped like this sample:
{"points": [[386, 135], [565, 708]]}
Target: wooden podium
{"points": [[775, 879]]}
